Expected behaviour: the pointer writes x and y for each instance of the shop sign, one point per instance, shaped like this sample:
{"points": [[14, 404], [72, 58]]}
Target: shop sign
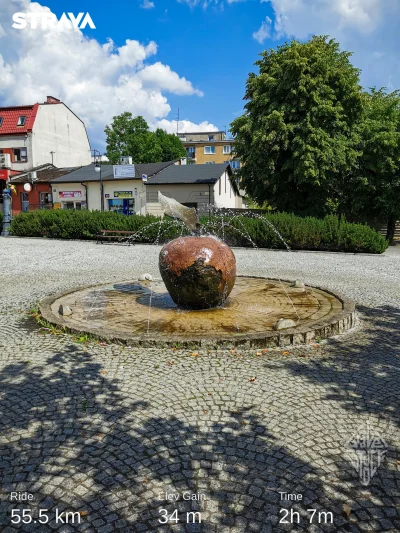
{"points": [[57, 205], [122, 194], [70, 194], [124, 171], [4, 174]]}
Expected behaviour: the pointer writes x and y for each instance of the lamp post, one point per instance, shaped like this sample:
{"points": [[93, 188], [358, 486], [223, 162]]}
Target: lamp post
{"points": [[97, 168], [6, 212]]}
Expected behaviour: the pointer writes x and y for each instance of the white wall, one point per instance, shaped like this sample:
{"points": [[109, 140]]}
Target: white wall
{"points": [[57, 129], [224, 193], [57, 188], [112, 186], [196, 193]]}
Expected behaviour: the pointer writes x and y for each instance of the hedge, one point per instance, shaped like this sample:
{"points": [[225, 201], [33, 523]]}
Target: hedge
{"points": [[308, 233]]}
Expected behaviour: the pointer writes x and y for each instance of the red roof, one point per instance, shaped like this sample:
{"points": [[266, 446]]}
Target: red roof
{"points": [[10, 116]]}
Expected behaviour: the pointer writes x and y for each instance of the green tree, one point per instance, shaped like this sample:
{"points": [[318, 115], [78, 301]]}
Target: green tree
{"points": [[298, 137], [128, 135], [376, 182], [171, 146]]}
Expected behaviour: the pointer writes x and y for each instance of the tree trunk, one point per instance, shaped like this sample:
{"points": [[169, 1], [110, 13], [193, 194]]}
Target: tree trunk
{"points": [[391, 228]]}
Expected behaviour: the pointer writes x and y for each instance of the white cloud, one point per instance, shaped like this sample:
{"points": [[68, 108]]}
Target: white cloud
{"points": [[185, 126], [97, 81], [147, 4], [264, 31], [203, 3], [161, 76], [369, 28]]}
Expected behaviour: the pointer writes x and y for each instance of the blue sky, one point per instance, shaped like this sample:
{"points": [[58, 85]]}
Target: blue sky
{"points": [[191, 54]]}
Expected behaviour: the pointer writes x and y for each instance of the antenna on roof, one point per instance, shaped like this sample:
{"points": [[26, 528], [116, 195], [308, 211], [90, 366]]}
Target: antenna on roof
{"points": [[177, 123]]}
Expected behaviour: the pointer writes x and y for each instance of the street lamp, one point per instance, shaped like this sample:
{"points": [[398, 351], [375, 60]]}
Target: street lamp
{"points": [[97, 168]]}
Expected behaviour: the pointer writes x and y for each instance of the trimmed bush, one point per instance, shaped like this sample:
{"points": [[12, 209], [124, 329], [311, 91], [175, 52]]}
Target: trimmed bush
{"points": [[330, 233]]}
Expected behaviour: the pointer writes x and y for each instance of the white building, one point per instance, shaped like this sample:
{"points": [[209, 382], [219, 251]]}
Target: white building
{"points": [[39, 134], [199, 186], [196, 186]]}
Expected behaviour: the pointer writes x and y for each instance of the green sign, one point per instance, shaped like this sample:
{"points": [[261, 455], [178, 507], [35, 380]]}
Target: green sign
{"points": [[122, 194]]}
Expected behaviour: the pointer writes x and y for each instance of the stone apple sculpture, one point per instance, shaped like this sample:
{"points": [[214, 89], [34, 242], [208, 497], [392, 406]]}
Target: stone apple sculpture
{"points": [[198, 271]]}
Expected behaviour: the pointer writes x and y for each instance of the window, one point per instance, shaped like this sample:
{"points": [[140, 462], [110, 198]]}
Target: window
{"points": [[1, 121], [235, 164], [21, 121], [211, 137], [209, 149], [209, 163], [227, 149], [20, 155]]}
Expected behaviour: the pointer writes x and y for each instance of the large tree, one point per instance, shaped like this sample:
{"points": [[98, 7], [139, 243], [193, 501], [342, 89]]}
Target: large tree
{"points": [[375, 191], [298, 136], [128, 135]]}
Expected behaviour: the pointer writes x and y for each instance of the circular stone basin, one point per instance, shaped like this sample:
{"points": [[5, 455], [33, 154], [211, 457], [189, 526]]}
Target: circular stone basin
{"points": [[143, 313]]}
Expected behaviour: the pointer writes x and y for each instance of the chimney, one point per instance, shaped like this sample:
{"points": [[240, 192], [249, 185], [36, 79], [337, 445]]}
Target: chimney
{"points": [[52, 100]]}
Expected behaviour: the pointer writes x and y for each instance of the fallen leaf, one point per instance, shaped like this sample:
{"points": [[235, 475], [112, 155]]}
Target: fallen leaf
{"points": [[100, 436], [195, 354], [346, 509], [243, 422], [205, 412], [316, 345], [252, 380], [259, 353], [104, 372], [265, 350], [170, 363], [209, 393], [83, 513], [285, 353], [233, 351], [103, 343]]}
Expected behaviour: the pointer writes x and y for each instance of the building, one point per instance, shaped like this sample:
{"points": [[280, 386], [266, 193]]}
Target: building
{"points": [[209, 148], [40, 194], [199, 186], [42, 133], [82, 188]]}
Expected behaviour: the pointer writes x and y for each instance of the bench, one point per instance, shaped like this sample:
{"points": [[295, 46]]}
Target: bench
{"points": [[107, 235]]}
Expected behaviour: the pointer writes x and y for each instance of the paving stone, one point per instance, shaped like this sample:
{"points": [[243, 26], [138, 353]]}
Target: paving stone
{"points": [[108, 428]]}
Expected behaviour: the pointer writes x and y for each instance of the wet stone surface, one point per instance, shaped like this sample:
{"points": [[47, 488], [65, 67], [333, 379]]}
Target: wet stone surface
{"points": [[108, 430], [140, 311]]}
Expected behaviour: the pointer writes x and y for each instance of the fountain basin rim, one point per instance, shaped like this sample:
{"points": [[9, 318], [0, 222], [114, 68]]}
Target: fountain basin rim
{"points": [[299, 335]]}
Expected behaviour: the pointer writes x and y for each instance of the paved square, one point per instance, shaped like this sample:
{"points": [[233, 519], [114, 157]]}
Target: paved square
{"points": [[117, 433]]}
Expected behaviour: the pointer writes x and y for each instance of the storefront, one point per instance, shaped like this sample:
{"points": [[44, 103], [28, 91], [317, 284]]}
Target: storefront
{"points": [[69, 196], [70, 200], [123, 202]]}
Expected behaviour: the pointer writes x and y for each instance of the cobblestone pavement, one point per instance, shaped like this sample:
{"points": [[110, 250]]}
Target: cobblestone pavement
{"points": [[106, 430]]}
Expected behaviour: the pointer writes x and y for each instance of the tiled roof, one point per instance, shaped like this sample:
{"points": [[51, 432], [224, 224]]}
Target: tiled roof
{"points": [[44, 174], [181, 174], [88, 173], [10, 116]]}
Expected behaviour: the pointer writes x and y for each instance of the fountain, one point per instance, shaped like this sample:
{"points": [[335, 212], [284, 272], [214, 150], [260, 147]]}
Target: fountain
{"points": [[205, 302]]}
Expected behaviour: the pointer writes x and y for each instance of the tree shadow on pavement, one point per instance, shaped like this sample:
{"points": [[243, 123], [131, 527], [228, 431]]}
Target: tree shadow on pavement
{"points": [[74, 438]]}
